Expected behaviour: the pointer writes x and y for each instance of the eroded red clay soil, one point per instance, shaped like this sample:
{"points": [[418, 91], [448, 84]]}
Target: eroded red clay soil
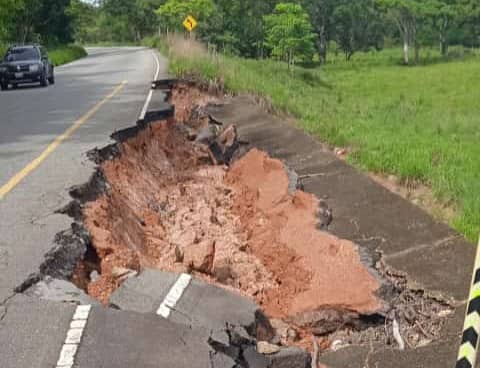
{"points": [[169, 208]]}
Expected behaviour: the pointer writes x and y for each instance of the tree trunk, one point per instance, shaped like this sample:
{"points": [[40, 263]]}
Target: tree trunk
{"points": [[416, 44], [322, 45], [443, 38], [417, 53], [406, 44], [443, 46]]}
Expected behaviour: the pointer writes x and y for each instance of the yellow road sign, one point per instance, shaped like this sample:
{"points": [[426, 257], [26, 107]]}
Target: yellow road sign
{"points": [[190, 23]]}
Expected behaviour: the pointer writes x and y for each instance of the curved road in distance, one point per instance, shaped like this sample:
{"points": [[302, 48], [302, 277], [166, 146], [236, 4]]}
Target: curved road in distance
{"points": [[31, 116]]}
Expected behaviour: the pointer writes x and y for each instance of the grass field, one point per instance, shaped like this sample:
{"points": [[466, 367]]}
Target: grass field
{"points": [[59, 55], [419, 123]]}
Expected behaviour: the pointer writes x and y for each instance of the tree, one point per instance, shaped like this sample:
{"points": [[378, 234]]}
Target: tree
{"points": [[33, 20], [289, 33], [402, 13], [52, 23], [445, 13], [129, 20], [84, 21], [410, 16], [469, 12], [7, 21], [173, 12], [238, 26], [321, 14], [465, 25], [357, 26]]}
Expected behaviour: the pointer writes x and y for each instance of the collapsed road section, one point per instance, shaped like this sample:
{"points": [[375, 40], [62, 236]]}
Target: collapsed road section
{"points": [[185, 195]]}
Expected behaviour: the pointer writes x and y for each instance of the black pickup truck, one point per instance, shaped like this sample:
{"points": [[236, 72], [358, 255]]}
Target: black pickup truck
{"points": [[26, 64]]}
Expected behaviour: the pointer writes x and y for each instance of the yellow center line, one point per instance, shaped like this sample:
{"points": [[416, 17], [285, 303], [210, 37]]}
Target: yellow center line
{"points": [[27, 170]]}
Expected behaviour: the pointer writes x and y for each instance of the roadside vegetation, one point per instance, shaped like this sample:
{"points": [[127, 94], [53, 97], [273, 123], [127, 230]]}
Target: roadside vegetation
{"points": [[66, 54], [58, 55], [49, 23]]}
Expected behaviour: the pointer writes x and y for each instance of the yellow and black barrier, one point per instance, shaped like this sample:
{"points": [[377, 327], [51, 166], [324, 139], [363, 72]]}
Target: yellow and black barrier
{"points": [[467, 356]]}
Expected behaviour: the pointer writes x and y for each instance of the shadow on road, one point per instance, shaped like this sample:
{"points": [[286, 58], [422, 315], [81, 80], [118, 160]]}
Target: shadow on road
{"points": [[24, 86]]}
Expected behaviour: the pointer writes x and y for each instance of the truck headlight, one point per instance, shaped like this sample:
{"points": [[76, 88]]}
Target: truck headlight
{"points": [[33, 68]]}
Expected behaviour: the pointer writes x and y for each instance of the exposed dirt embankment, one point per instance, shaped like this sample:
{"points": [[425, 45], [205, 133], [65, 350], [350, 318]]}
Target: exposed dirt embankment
{"points": [[167, 204], [168, 209]]}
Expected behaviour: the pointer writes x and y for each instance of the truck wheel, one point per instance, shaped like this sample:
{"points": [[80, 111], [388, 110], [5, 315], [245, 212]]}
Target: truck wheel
{"points": [[44, 80], [51, 80]]}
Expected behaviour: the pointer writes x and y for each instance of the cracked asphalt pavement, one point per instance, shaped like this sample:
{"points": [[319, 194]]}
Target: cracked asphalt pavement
{"points": [[45, 135], [32, 332], [33, 117]]}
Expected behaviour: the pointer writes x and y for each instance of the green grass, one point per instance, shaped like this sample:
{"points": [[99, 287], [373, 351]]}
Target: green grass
{"points": [[59, 55], [66, 54], [418, 123]]}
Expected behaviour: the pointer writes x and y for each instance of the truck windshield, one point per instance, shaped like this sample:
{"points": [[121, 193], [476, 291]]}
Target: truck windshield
{"points": [[22, 54]]}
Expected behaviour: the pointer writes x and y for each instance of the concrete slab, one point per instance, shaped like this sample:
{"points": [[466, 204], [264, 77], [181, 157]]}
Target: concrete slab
{"points": [[274, 136], [32, 332], [352, 356], [59, 291], [361, 207], [215, 308], [442, 270], [441, 354], [144, 293], [117, 339], [381, 222], [201, 305]]}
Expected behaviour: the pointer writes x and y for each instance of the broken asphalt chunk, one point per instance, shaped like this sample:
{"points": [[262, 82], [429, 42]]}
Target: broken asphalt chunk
{"points": [[201, 304]]}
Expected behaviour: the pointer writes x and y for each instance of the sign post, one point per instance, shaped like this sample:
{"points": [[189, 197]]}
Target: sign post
{"points": [[190, 23], [467, 356]]}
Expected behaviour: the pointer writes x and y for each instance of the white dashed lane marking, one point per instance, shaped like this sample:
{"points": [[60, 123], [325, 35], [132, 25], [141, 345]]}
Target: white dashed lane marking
{"points": [[74, 337], [174, 295]]}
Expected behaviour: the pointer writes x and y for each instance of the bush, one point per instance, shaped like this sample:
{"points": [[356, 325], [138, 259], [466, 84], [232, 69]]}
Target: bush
{"points": [[152, 41], [59, 55], [66, 54], [3, 50]]}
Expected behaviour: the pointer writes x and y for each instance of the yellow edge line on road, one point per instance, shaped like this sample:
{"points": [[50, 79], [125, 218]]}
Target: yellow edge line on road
{"points": [[17, 179]]}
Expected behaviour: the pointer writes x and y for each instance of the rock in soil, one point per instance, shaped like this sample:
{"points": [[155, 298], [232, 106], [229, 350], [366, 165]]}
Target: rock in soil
{"points": [[264, 347], [290, 357], [199, 257]]}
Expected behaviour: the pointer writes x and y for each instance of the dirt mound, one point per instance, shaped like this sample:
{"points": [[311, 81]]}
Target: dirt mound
{"points": [[314, 270]]}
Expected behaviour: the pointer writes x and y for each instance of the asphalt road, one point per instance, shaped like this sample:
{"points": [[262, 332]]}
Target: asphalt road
{"points": [[31, 118], [44, 137]]}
